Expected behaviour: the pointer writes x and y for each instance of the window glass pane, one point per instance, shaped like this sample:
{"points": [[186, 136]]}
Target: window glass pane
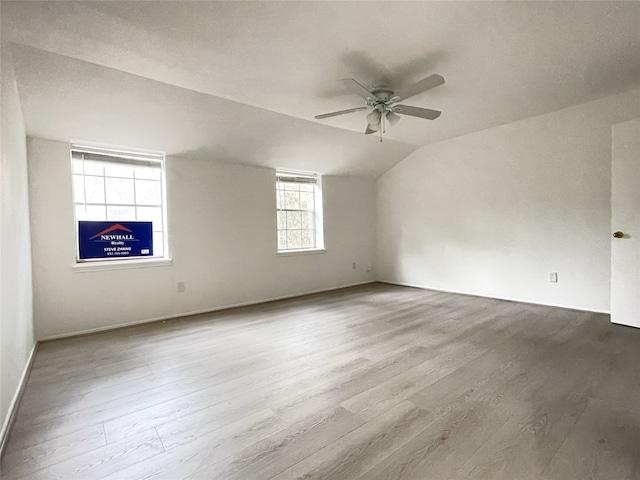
{"points": [[93, 168], [94, 188], [306, 201], [121, 212], [282, 220], [148, 192], [114, 191], [150, 214], [280, 199], [91, 212], [296, 217], [78, 189], [119, 190], [77, 166], [294, 239], [118, 170], [158, 244], [149, 173], [293, 220], [308, 238], [308, 220], [282, 239], [292, 200]]}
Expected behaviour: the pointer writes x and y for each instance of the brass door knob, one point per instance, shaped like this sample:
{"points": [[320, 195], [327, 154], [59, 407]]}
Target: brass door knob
{"points": [[618, 234]]}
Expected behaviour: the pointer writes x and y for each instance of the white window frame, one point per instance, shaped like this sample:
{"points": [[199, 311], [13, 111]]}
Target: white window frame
{"points": [[126, 156], [303, 178]]}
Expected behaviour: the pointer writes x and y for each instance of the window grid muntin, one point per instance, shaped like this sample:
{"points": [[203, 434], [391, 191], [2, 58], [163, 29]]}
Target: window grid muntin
{"points": [[283, 186], [157, 165], [135, 192]]}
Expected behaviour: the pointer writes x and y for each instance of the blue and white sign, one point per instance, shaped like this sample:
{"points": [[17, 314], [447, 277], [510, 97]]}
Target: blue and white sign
{"points": [[114, 239]]}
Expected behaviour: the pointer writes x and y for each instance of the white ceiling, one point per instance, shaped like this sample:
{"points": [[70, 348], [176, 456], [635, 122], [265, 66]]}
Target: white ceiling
{"points": [[241, 81]]}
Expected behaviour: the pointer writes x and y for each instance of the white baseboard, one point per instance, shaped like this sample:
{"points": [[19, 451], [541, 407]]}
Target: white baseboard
{"points": [[508, 299], [293, 295], [15, 401], [195, 312]]}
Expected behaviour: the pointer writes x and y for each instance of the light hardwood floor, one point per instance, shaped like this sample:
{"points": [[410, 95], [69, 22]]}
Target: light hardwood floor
{"points": [[373, 382]]}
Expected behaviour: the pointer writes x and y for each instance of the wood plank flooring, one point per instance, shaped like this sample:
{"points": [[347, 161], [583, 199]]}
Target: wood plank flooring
{"points": [[372, 382]]}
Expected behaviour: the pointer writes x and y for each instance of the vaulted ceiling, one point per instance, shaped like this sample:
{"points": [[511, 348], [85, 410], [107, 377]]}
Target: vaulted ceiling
{"points": [[242, 81]]}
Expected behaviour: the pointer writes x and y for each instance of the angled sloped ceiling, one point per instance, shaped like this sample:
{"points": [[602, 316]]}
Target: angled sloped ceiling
{"points": [[502, 61], [65, 98]]}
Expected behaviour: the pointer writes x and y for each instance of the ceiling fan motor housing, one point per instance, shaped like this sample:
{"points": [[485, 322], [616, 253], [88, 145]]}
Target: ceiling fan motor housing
{"points": [[384, 98], [382, 93]]}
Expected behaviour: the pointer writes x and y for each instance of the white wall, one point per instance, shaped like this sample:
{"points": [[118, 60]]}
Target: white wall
{"points": [[222, 231], [16, 319], [492, 213]]}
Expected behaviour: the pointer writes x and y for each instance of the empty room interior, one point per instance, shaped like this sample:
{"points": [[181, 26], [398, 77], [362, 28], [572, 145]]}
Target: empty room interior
{"points": [[329, 240]]}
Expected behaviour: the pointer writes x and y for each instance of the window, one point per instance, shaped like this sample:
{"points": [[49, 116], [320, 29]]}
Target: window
{"points": [[117, 185], [299, 210]]}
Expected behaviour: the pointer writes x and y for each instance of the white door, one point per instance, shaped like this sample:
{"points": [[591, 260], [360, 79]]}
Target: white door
{"points": [[625, 219]]}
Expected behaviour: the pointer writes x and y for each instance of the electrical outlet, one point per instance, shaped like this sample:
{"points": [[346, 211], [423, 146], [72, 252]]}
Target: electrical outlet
{"points": [[180, 286], [369, 267], [553, 277]]}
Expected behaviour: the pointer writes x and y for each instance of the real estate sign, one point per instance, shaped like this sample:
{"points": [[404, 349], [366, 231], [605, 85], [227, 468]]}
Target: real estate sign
{"points": [[109, 240]]}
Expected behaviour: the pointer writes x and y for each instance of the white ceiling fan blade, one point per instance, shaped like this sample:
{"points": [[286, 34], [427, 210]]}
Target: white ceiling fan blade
{"points": [[340, 112], [392, 118], [355, 87], [417, 112], [423, 85]]}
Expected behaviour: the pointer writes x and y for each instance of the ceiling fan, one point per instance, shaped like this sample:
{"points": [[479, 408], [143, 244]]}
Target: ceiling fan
{"points": [[384, 103]]}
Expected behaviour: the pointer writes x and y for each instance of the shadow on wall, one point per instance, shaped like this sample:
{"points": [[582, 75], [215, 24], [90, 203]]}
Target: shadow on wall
{"points": [[626, 66]]}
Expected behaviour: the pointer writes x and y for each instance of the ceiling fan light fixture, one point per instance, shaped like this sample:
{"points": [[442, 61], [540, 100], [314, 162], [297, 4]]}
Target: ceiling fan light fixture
{"points": [[392, 118], [373, 118]]}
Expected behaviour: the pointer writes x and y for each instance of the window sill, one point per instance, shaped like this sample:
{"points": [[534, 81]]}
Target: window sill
{"points": [[309, 251], [120, 265]]}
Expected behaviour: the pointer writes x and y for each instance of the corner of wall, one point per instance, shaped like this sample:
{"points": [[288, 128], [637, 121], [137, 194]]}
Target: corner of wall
{"points": [[16, 288]]}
